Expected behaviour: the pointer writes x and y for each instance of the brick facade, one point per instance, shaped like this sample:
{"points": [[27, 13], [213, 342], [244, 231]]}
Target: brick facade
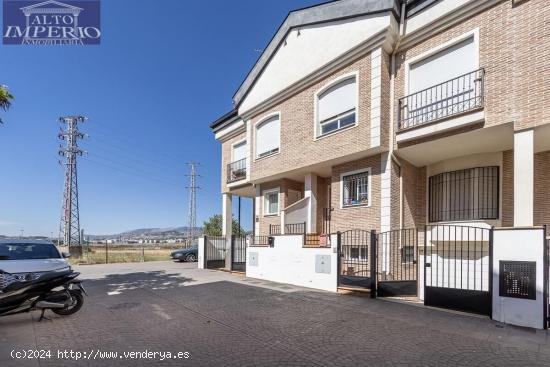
{"points": [[298, 145], [516, 85]]}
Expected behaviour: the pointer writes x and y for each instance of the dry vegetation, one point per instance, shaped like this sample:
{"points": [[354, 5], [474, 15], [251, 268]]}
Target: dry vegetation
{"points": [[125, 254]]}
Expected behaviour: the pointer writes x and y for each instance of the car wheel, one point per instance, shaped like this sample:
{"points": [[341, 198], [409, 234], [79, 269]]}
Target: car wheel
{"points": [[191, 258]]}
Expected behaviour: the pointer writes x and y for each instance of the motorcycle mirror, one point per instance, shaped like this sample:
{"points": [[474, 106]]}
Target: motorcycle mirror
{"points": [[66, 255]]}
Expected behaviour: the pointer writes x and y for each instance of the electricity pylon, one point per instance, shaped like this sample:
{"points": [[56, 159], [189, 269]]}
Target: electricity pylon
{"points": [[70, 218], [192, 215]]}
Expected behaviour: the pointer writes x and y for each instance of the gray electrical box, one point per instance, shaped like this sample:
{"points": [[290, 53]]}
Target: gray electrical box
{"points": [[322, 264], [253, 259]]}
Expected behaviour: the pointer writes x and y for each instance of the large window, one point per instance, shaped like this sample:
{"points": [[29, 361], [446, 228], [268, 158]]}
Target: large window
{"points": [[271, 202], [268, 138], [355, 189], [451, 62], [468, 194], [337, 107]]}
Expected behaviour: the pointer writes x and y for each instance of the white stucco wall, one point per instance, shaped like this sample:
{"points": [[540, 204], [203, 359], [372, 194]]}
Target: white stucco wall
{"points": [[287, 262], [309, 48], [200, 258], [519, 245]]}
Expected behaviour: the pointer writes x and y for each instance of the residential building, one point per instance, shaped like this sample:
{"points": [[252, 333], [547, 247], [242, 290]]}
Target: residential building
{"points": [[390, 115], [395, 114]]}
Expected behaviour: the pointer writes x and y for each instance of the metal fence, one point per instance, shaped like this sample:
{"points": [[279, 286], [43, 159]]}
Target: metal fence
{"points": [[238, 253], [215, 250], [295, 228], [458, 95], [124, 252], [274, 229]]}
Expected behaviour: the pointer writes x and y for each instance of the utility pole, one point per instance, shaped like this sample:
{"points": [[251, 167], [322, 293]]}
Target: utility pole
{"points": [[70, 218], [192, 215]]}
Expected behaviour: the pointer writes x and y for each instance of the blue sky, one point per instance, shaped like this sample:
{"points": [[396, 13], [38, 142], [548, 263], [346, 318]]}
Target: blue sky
{"points": [[163, 71]]}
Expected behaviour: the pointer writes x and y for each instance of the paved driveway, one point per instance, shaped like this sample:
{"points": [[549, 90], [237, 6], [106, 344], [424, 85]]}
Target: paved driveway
{"points": [[222, 319]]}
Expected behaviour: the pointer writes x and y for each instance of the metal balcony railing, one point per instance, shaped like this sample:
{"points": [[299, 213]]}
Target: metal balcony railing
{"points": [[236, 171], [453, 97]]}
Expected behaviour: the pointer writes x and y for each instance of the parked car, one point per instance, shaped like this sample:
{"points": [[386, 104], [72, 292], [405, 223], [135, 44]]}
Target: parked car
{"points": [[187, 254], [28, 260]]}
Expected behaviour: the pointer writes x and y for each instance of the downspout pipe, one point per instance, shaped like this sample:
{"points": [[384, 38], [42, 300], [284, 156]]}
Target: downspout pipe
{"points": [[392, 112]]}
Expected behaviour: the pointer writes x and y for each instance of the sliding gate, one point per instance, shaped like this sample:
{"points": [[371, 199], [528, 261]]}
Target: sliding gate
{"points": [[457, 268], [397, 253]]}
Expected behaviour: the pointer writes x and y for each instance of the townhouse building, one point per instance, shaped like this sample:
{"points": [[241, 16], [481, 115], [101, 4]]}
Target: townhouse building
{"points": [[389, 115]]}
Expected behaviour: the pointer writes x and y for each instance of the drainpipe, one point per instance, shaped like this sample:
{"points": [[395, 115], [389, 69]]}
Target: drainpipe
{"points": [[392, 114]]}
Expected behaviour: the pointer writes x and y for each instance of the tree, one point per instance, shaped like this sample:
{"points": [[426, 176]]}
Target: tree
{"points": [[5, 99], [213, 227]]}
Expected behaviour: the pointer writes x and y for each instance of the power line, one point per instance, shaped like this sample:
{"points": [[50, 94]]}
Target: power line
{"points": [[70, 217]]}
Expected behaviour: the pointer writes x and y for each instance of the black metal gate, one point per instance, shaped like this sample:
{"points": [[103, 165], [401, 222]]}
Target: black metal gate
{"points": [[238, 253], [457, 267], [215, 249], [357, 259], [397, 266]]}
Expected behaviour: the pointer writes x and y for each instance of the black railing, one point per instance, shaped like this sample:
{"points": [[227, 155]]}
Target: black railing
{"points": [[327, 217], [469, 194], [236, 171], [274, 229], [259, 241], [461, 94], [295, 228]]}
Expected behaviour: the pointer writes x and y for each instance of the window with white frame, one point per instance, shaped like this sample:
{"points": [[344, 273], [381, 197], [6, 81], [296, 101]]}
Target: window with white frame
{"points": [[268, 136], [239, 151], [336, 107], [355, 189], [271, 202]]}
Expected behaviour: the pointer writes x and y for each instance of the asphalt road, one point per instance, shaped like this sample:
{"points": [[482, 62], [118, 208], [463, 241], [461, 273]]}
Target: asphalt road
{"points": [[211, 318]]}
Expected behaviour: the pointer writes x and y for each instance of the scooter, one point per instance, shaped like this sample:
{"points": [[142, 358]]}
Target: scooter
{"points": [[59, 292]]}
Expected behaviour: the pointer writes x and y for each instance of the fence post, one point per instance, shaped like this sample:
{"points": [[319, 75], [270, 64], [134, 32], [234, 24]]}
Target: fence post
{"points": [[305, 234], [373, 271], [204, 252], [338, 259], [425, 263], [546, 279], [142, 253], [490, 268], [232, 253], [106, 252]]}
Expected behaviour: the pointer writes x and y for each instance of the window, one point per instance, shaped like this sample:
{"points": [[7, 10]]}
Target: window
{"points": [[407, 254], [337, 107], [239, 151], [268, 137], [355, 189], [358, 253], [468, 194], [455, 60], [271, 202]]}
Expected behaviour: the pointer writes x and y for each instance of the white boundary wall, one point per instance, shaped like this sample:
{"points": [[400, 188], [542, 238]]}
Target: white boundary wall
{"points": [[288, 262], [200, 257], [520, 244]]}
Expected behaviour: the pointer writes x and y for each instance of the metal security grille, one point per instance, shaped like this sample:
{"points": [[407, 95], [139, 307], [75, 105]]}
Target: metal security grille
{"points": [[458, 95], [295, 228], [274, 229], [518, 279], [356, 189], [468, 194]]}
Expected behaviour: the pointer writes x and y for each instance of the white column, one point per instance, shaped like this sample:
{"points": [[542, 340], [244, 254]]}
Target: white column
{"points": [[385, 193], [310, 191], [258, 209], [227, 215], [375, 97], [523, 178]]}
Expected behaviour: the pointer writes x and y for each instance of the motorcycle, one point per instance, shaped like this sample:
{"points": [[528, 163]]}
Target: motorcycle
{"points": [[59, 292]]}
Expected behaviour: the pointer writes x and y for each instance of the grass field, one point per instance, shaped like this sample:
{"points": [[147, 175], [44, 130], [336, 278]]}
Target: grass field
{"points": [[124, 254]]}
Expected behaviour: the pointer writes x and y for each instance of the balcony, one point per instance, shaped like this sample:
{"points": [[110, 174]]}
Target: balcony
{"points": [[452, 98], [236, 171]]}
